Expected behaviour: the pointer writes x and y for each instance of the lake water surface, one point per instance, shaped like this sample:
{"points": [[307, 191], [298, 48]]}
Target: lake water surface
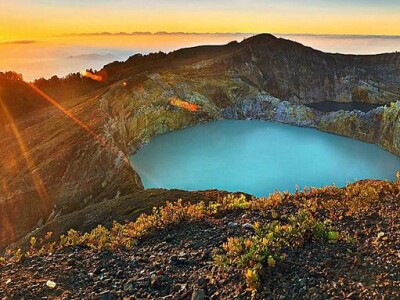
{"points": [[258, 157]]}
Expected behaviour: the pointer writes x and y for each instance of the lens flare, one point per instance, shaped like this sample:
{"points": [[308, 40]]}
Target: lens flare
{"points": [[100, 76], [6, 223], [101, 140], [37, 181]]}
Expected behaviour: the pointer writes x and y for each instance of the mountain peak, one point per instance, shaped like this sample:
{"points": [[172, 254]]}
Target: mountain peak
{"points": [[260, 38]]}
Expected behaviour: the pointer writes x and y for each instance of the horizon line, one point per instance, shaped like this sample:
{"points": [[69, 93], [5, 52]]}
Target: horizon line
{"points": [[138, 33]]}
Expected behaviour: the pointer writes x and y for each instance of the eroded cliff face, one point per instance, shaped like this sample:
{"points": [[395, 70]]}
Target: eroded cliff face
{"points": [[379, 126], [76, 158]]}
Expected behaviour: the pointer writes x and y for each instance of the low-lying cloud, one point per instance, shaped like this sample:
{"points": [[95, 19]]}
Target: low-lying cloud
{"points": [[17, 42]]}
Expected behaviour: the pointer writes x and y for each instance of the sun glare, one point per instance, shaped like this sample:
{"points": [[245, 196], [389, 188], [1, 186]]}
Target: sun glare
{"points": [[93, 76], [36, 178]]}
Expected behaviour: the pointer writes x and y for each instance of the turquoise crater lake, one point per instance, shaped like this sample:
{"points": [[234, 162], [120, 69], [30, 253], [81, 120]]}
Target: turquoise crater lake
{"points": [[258, 157]]}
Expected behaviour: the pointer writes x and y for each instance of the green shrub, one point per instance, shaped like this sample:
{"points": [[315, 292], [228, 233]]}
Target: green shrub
{"points": [[267, 246]]}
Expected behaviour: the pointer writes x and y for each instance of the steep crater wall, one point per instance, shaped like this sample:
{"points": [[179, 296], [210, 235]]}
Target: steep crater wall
{"points": [[380, 126], [146, 111]]}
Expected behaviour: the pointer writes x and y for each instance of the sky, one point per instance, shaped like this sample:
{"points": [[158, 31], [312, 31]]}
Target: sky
{"points": [[30, 19], [41, 38]]}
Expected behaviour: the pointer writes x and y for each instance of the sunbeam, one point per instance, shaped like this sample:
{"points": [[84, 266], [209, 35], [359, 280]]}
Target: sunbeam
{"points": [[6, 227], [81, 124], [37, 181], [100, 139]]}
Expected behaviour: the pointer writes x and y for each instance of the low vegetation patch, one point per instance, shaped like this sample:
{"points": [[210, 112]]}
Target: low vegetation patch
{"points": [[270, 243], [309, 216]]}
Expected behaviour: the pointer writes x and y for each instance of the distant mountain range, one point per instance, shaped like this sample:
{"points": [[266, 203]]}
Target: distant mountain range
{"points": [[155, 33], [94, 56]]}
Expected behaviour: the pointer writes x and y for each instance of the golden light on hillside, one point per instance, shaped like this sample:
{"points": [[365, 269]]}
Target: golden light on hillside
{"points": [[36, 178], [12, 167], [184, 104], [7, 228], [98, 138]]}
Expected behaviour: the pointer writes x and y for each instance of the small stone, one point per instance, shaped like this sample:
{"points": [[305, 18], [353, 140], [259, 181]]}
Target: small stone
{"points": [[198, 294], [316, 297], [206, 255], [233, 225], [155, 281], [106, 295], [302, 291], [129, 286], [313, 290], [247, 226], [202, 281], [51, 284], [120, 274], [176, 260], [143, 282]]}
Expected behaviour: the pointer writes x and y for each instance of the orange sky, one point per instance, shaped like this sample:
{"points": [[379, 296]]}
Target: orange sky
{"points": [[30, 19], [34, 34]]}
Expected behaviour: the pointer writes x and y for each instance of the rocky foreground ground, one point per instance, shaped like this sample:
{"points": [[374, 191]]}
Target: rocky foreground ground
{"points": [[178, 260]]}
